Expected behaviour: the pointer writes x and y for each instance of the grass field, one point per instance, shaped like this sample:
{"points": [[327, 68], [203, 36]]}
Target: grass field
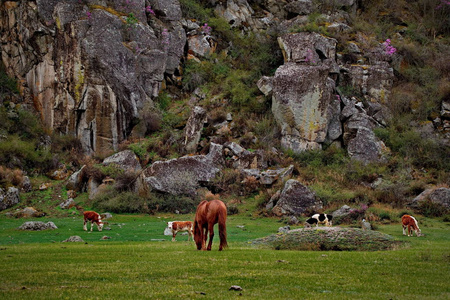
{"points": [[139, 262]]}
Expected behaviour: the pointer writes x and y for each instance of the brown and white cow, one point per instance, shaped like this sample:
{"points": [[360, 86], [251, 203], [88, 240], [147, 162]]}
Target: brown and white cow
{"points": [[177, 226], [411, 223], [93, 217]]}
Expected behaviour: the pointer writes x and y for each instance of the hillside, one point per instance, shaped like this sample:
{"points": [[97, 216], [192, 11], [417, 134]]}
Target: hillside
{"points": [[282, 107]]}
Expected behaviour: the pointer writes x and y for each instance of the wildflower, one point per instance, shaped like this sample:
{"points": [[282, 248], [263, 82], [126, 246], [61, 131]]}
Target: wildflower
{"points": [[149, 10], [88, 14], [388, 49], [206, 29]]}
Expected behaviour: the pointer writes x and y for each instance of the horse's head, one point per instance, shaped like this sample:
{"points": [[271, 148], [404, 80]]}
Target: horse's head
{"points": [[100, 226], [198, 235]]}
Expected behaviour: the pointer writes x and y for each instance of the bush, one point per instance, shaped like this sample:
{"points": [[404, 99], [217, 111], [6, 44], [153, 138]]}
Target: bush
{"points": [[125, 181], [113, 201], [432, 209], [159, 202], [10, 177]]}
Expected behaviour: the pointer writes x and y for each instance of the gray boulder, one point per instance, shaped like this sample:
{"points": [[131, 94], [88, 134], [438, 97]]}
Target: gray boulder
{"points": [[26, 184], [300, 7], [436, 195], [67, 204], [193, 129], [37, 226], [240, 158], [296, 199], [184, 175], [125, 160], [341, 212], [9, 198], [74, 239], [75, 182]]}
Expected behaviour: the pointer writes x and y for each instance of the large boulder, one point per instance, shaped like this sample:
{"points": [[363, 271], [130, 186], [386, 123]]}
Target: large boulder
{"points": [[28, 212], [296, 199], [302, 96], [436, 195], [241, 158], [359, 138], [9, 197], [125, 160], [75, 181], [304, 102], [193, 129], [37, 226], [184, 175]]}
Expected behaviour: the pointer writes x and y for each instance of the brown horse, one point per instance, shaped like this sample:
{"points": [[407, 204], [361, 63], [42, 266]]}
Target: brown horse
{"points": [[208, 214]]}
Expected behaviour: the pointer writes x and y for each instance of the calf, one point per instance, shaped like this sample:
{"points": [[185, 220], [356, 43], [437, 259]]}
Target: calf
{"points": [[319, 219], [411, 223], [93, 217], [177, 226]]}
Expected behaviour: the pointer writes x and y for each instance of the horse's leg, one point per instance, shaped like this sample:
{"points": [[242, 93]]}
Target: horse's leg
{"points": [[404, 229], [84, 225], [205, 238], [211, 235], [92, 225]]}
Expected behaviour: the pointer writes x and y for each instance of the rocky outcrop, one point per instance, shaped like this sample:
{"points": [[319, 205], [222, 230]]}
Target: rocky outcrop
{"points": [[90, 69], [303, 98], [296, 199], [184, 175]]}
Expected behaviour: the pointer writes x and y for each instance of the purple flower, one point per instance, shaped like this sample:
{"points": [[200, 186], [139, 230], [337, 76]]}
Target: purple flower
{"points": [[388, 49], [149, 10], [206, 29]]}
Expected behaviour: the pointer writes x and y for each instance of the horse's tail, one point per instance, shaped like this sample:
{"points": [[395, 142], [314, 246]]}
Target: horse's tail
{"points": [[223, 229]]}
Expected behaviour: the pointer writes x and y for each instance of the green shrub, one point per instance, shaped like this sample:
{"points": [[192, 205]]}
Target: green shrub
{"points": [[432, 209], [158, 202], [8, 85], [116, 202], [192, 9]]}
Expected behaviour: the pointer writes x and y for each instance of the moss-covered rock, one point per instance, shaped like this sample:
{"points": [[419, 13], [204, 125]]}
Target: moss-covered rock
{"points": [[329, 238]]}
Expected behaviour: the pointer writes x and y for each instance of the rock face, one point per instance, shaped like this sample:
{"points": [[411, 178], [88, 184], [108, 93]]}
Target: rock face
{"points": [[296, 199], [183, 175], [89, 69], [9, 198]]}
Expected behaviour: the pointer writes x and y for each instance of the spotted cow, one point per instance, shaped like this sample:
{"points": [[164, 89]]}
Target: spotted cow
{"points": [[411, 223], [319, 219], [177, 226], [93, 217]]}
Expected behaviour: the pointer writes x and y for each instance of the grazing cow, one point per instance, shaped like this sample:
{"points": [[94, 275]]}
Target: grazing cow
{"points": [[319, 219], [177, 226], [93, 217], [411, 223]]}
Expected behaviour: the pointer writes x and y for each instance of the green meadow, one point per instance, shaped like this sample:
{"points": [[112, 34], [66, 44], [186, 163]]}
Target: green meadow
{"points": [[139, 262]]}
